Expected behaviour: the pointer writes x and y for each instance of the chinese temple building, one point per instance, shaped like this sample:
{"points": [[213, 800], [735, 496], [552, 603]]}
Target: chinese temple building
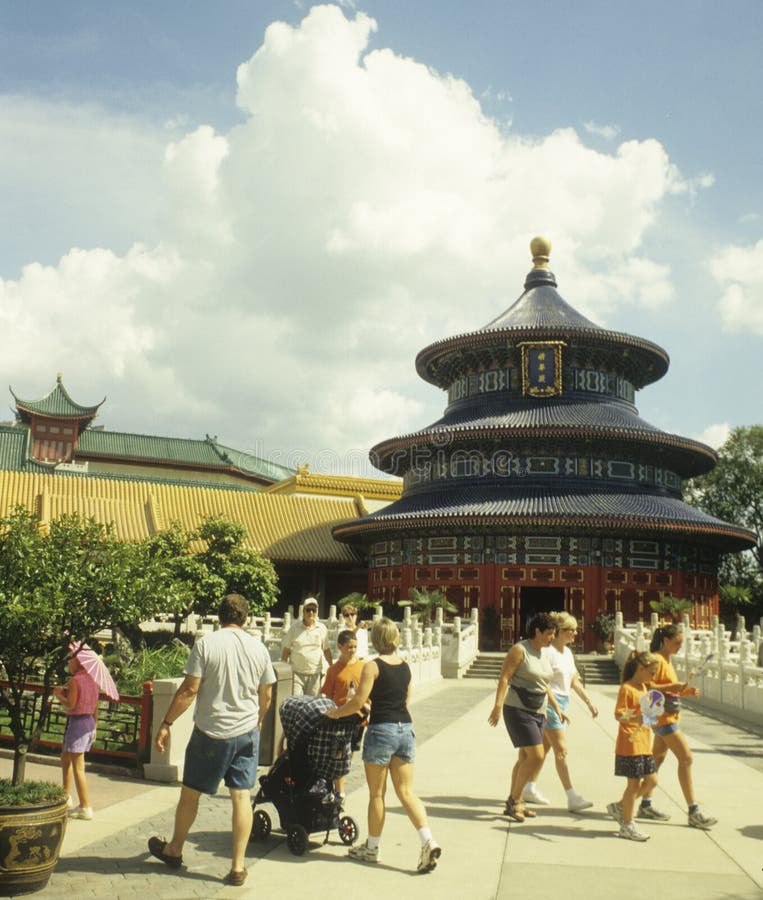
{"points": [[55, 461], [57, 434], [541, 488]]}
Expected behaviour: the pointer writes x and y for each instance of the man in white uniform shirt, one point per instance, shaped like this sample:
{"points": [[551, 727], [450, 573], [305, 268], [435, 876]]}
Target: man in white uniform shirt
{"points": [[305, 646]]}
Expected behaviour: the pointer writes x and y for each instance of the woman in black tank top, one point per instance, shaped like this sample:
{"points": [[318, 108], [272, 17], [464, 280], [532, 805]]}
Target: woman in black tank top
{"points": [[389, 744]]}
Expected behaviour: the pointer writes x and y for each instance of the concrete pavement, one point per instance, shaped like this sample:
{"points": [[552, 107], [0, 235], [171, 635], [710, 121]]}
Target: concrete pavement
{"points": [[462, 774]]}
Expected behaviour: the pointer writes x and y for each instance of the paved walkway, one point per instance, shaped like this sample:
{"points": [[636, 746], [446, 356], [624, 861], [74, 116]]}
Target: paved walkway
{"points": [[462, 775]]}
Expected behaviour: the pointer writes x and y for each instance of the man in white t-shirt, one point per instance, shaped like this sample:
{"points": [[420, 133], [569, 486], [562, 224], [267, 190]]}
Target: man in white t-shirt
{"points": [[230, 675], [305, 646]]}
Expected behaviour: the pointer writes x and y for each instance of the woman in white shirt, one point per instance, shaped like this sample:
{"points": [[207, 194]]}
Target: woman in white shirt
{"points": [[565, 679]]}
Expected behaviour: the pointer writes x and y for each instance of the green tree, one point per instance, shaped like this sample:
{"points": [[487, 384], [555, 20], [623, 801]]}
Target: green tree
{"points": [[733, 491], [56, 585], [212, 561]]}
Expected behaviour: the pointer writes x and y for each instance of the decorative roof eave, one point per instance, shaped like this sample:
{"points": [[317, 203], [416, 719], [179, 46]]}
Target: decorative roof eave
{"points": [[651, 360], [698, 458], [729, 539], [56, 404]]}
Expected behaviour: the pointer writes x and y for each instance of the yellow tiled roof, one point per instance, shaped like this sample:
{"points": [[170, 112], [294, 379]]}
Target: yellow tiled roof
{"points": [[281, 527], [308, 482]]}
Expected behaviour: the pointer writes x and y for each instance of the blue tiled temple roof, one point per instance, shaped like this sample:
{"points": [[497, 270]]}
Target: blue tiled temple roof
{"points": [[536, 509], [566, 419], [541, 313]]}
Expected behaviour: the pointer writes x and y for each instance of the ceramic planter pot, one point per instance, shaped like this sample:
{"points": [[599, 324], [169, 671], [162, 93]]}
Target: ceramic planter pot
{"points": [[30, 841]]}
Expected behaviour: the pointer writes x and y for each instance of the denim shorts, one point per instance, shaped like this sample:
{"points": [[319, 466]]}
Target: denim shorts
{"points": [[553, 722], [387, 739], [664, 730], [209, 760]]}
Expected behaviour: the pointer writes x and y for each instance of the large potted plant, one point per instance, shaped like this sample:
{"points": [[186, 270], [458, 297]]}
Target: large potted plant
{"points": [[67, 580], [603, 626]]}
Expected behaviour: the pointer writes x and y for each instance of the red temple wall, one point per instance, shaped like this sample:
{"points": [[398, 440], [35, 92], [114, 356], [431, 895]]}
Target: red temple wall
{"points": [[582, 591]]}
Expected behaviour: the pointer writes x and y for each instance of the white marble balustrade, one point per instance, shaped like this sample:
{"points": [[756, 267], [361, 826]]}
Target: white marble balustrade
{"points": [[731, 681]]}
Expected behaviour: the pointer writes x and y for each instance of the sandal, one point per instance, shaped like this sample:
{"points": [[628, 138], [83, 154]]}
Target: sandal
{"points": [[514, 810], [527, 812]]}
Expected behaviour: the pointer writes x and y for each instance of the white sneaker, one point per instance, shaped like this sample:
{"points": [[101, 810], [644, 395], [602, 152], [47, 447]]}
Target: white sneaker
{"points": [[576, 803], [70, 802], [698, 819], [533, 795], [630, 831], [616, 811], [81, 812], [364, 853], [430, 853]]}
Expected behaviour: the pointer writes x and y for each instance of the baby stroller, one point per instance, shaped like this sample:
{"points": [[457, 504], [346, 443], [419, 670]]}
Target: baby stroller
{"points": [[300, 783]]}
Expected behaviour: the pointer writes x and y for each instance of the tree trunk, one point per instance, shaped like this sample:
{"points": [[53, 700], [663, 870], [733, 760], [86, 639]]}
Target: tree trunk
{"points": [[19, 765]]}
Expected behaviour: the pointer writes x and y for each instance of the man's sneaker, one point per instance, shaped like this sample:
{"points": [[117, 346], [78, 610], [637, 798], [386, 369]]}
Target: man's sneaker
{"points": [[533, 795], [81, 812], [70, 802], [428, 857], [576, 803], [364, 853], [616, 811], [651, 812], [630, 831], [698, 819]]}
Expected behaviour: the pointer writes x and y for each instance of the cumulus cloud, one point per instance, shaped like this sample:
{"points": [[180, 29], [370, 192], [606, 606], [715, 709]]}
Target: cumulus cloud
{"points": [[292, 267], [715, 436], [738, 271]]}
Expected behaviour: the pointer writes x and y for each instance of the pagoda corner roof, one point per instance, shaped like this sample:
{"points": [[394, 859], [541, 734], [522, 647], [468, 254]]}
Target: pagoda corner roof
{"points": [[57, 403]]}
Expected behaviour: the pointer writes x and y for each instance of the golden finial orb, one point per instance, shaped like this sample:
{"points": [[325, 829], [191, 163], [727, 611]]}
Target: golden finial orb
{"points": [[540, 248]]}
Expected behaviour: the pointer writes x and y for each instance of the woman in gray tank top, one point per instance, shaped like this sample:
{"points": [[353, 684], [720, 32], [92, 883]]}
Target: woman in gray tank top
{"points": [[522, 695]]}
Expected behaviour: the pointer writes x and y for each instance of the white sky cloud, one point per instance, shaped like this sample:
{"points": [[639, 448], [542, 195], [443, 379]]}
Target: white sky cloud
{"points": [[283, 275], [739, 273], [608, 132], [715, 435]]}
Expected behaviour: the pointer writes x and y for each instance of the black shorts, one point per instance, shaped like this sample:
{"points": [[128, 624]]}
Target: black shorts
{"points": [[525, 728], [635, 766]]}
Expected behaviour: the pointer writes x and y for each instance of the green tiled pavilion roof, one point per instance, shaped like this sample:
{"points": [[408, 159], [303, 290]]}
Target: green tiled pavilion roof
{"points": [[56, 402], [95, 443]]}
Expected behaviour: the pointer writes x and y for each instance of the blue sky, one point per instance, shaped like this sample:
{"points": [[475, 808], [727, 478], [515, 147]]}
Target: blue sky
{"points": [[250, 231]]}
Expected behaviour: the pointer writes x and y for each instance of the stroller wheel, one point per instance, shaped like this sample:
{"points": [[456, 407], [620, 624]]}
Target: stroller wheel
{"points": [[296, 839], [348, 830], [261, 826]]}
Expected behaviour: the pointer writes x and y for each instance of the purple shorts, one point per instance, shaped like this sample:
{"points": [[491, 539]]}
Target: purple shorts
{"points": [[79, 734]]}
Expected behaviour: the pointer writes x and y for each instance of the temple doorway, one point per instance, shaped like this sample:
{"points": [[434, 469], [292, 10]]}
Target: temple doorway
{"points": [[534, 600]]}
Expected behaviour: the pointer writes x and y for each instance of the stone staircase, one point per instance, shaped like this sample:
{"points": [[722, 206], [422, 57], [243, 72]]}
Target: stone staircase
{"points": [[596, 668], [486, 665]]}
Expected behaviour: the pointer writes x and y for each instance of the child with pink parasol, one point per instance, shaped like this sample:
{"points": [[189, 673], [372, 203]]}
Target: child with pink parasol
{"points": [[79, 697]]}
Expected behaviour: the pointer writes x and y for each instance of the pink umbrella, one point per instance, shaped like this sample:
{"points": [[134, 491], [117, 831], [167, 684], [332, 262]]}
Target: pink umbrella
{"points": [[96, 669]]}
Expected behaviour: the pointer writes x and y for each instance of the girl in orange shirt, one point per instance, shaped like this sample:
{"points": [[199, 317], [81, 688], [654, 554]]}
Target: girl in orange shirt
{"points": [[633, 749]]}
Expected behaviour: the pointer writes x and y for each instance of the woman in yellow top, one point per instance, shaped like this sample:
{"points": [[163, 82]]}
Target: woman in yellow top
{"points": [[667, 640]]}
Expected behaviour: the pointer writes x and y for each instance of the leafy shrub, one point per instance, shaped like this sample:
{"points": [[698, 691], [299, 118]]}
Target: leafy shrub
{"points": [[148, 664], [29, 792]]}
